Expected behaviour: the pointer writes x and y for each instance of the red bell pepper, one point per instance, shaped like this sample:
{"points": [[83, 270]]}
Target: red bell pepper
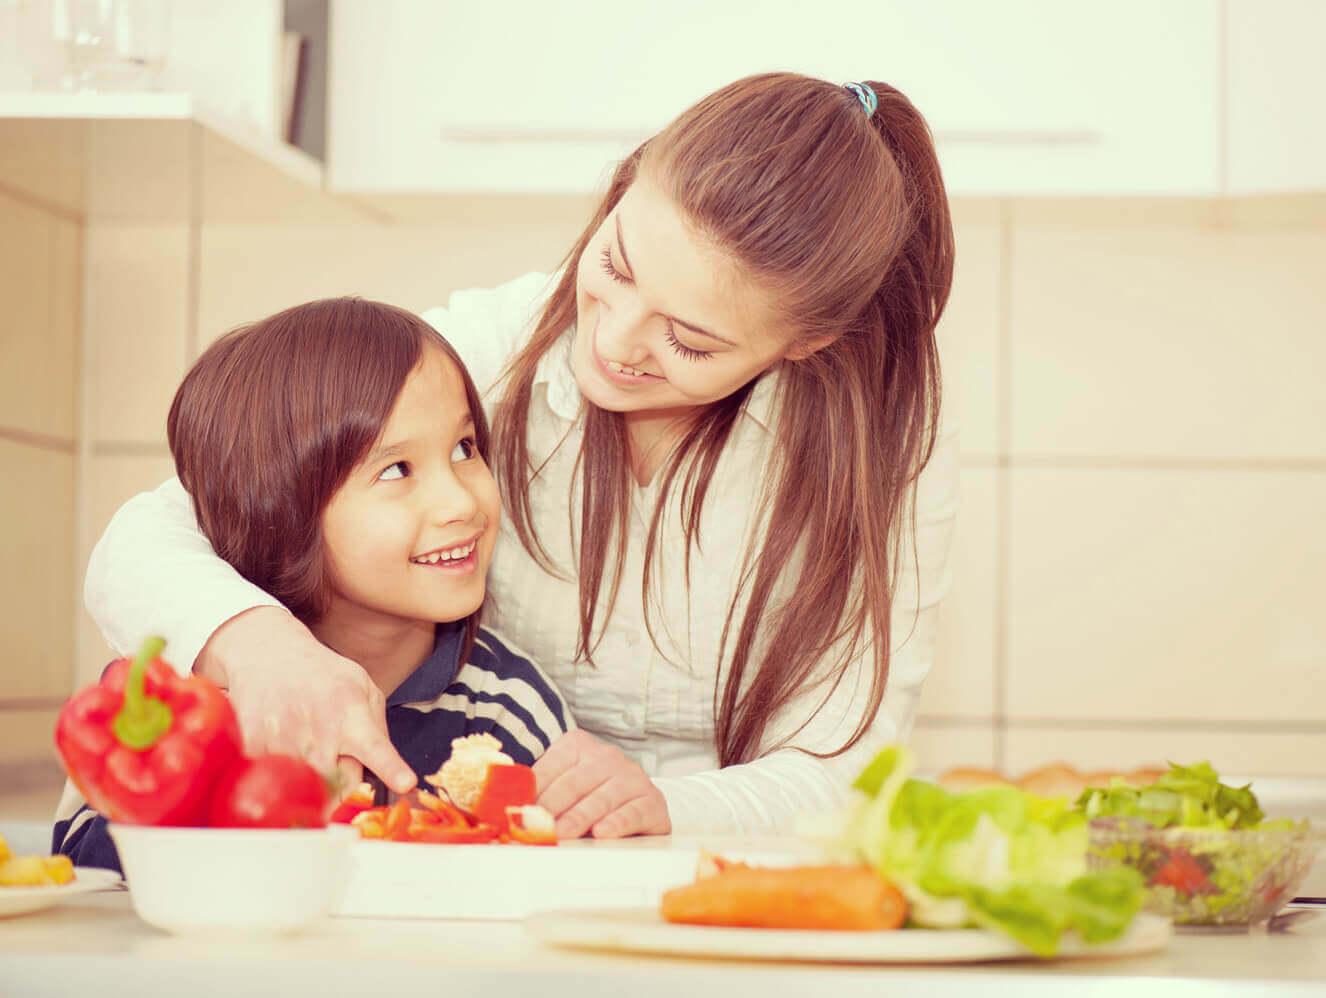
{"points": [[453, 834], [504, 787], [270, 791], [145, 745], [532, 825], [446, 812], [357, 802]]}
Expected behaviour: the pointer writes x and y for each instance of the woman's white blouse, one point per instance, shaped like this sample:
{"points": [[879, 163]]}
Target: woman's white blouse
{"points": [[153, 571]]}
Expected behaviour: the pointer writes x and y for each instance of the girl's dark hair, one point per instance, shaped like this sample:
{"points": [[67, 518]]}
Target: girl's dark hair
{"points": [[272, 419]]}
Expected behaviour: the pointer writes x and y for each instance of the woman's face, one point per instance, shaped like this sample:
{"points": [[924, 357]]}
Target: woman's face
{"points": [[664, 321], [411, 532]]}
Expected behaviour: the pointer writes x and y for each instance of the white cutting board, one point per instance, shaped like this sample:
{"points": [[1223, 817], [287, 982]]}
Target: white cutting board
{"points": [[430, 880]]}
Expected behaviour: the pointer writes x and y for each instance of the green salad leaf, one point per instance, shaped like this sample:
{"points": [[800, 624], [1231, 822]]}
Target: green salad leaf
{"points": [[996, 857], [1185, 797]]}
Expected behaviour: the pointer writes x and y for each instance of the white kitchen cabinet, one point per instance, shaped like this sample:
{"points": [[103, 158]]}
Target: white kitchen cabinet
{"points": [[1025, 97], [1277, 96]]}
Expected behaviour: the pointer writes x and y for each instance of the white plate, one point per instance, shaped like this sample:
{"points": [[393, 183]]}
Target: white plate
{"points": [[430, 880], [21, 900], [644, 931]]}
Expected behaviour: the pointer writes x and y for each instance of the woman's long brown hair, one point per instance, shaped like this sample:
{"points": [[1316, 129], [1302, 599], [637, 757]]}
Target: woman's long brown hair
{"points": [[843, 223]]}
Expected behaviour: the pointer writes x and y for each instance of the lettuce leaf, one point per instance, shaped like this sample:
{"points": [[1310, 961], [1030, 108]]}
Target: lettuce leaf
{"points": [[1185, 796], [996, 857]]}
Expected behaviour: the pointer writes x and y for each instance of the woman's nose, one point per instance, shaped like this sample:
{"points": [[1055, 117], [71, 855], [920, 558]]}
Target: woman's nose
{"points": [[622, 335]]}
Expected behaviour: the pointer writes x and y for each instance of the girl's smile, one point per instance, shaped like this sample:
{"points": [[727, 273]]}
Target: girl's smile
{"points": [[460, 558]]}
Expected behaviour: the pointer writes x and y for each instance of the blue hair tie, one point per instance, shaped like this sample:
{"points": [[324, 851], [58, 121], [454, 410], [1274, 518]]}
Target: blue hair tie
{"points": [[865, 95]]}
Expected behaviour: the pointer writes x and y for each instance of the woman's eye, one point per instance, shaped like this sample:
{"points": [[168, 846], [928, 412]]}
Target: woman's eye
{"points": [[681, 348], [609, 269], [464, 450], [401, 469]]}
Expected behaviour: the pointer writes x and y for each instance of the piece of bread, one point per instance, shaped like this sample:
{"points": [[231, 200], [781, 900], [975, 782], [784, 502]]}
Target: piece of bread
{"points": [[968, 778], [1058, 779]]}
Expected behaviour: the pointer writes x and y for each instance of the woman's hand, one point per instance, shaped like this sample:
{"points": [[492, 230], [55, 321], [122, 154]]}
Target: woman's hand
{"points": [[293, 694], [591, 786]]}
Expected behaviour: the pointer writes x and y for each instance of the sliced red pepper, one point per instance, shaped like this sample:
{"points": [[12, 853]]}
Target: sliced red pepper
{"points": [[531, 825], [370, 823], [145, 745], [456, 835], [358, 801], [396, 824], [442, 809], [504, 787]]}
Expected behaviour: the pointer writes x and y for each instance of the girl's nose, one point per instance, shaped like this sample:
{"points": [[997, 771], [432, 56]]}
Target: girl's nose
{"points": [[450, 500]]}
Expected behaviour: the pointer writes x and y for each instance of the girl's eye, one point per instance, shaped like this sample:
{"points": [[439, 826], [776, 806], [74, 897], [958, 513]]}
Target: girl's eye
{"points": [[465, 450], [401, 469], [683, 349], [609, 269]]}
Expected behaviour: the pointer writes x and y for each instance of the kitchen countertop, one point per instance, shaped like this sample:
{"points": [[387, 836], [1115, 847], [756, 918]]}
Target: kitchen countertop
{"points": [[95, 944]]}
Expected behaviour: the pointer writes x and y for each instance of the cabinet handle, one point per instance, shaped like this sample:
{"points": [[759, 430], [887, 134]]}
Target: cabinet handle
{"points": [[953, 136]]}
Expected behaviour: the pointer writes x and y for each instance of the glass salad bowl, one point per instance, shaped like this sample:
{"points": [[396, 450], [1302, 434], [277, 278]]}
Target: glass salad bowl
{"points": [[1215, 877]]}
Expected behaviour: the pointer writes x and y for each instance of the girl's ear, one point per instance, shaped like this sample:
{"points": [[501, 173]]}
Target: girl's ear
{"points": [[809, 347]]}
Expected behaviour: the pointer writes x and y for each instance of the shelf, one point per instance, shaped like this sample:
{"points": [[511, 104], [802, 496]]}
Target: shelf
{"points": [[157, 158]]}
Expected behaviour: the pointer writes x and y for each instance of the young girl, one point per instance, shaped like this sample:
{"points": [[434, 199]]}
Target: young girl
{"points": [[711, 437], [337, 453]]}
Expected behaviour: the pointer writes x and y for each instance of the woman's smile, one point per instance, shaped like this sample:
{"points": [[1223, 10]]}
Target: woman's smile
{"points": [[622, 375]]}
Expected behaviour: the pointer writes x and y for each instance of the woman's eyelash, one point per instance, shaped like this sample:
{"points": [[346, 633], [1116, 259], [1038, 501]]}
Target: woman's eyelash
{"points": [[683, 349], [676, 344], [609, 269]]}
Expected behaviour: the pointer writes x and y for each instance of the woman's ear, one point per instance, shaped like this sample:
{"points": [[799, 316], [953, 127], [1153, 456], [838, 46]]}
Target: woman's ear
{"points": [[808, 347]]}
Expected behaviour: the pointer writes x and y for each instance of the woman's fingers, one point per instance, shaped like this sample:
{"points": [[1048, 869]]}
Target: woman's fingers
{"points": [[362, 739], [349, 774]]}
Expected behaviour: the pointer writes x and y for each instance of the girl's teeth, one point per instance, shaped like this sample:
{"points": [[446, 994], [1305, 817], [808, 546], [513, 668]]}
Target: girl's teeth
{"points": [[452, 554]]}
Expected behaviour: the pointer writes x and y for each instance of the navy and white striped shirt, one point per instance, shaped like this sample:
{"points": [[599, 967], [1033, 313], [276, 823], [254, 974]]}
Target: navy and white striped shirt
{"points": [[498, 691]]}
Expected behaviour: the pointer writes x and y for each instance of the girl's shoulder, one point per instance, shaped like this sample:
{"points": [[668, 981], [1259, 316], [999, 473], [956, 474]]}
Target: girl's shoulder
{"points": [[495, 664], [488, 325]]}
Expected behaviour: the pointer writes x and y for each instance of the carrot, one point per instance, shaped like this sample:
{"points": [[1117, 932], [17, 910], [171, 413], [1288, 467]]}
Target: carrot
{"points": [[803, 897]]}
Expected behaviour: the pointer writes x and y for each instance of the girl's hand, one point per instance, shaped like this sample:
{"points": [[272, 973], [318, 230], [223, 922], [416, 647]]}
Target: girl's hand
{"points": [[591, 786], [293, 694]]}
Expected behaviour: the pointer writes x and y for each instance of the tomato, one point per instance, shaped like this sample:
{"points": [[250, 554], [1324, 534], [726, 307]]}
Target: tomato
{"points": [[1182, 872], [270, 791]]}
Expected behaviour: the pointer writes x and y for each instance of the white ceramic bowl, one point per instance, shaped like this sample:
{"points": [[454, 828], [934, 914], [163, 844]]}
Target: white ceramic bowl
{"points": [[233, 880]]}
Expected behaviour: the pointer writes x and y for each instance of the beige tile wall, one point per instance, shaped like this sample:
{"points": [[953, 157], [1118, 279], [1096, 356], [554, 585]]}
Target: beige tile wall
{"points": [[1148, 547], [40, 286], [1139, 560]]}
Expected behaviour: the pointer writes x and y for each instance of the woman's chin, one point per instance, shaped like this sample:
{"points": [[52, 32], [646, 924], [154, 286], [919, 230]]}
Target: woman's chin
{"points": [[602, 394]]}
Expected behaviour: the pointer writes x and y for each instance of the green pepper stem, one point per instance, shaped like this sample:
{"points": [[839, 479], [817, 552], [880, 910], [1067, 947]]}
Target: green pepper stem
{"points": [[142, 719]]}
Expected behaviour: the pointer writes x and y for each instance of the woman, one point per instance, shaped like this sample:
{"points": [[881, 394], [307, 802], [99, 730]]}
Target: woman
{"points": [[708, 431]]}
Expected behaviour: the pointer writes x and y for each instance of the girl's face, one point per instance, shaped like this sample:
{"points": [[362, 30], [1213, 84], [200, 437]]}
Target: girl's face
{"points": [[411, 532], [663, 320]]}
